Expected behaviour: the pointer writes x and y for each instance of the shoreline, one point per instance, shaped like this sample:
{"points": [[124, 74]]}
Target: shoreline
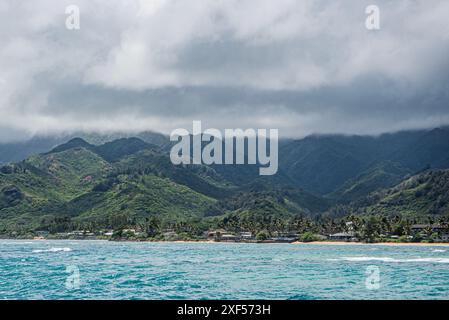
{"points": [[330, 243], [399, 244]]}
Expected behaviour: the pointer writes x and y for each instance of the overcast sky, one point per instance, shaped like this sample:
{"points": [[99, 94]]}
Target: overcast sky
{"points": [[300, 66]]}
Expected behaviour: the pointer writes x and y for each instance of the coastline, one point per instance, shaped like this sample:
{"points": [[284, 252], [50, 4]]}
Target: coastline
{"points": [[399, 244], [330, 243]]}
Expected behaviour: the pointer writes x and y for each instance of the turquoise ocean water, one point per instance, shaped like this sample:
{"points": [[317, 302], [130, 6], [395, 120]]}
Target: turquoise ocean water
{"points": [[109, 270]]}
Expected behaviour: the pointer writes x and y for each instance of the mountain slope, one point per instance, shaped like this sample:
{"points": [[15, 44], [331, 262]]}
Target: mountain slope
{"points": [[321, 164], [430, 149], [324, 164], [423, 194], [123, 181], [379, 176], [21, 150], [127, 180], [138, 197]]}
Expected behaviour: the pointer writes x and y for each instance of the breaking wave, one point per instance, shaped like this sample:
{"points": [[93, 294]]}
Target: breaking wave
{"points": [[388, 259], [53, 250]]}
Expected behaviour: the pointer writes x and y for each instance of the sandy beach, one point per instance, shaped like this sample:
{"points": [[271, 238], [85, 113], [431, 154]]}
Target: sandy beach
{"points": [[331, 243]]}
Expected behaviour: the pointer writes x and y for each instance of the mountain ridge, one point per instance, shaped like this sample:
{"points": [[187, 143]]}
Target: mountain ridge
{"points": [[123, 180]]}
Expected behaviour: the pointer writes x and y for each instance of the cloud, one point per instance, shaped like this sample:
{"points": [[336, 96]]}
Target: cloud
{"points": [[300, 66]]}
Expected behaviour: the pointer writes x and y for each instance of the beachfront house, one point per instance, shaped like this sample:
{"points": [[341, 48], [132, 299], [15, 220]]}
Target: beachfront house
{"points": [[229, 237], [286, 237], [108, 233], [343, 236], [215, 234], [222, 235], [246, 236], [427, 229]]}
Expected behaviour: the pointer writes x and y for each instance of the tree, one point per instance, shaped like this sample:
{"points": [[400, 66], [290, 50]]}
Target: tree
{"points": [[262, 235], [308, 237], [370, 229]]}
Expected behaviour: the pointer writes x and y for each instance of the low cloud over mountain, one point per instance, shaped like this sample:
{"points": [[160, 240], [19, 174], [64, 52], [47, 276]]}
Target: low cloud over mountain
{"points": [[302, 67]]}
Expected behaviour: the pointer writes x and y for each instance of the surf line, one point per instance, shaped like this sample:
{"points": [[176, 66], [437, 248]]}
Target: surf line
{"points": [[240, 147]]}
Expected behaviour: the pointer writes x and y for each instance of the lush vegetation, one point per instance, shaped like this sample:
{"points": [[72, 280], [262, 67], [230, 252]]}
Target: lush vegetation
{"points": [[122, 184], [128, 183], [427, 193]]}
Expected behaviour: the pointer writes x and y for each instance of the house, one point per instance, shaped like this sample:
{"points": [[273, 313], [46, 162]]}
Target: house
{"points": [[215, 234], [221, 235], [343, 236], [320, 237], [79, 233], [288, 234], [424, 227], [246, 236], [283, 239], [63, 235], [228, 237], [108, 233], [443, 231]]}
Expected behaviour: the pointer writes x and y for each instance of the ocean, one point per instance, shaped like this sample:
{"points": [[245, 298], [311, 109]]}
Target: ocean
{"points": [[132, 270]]}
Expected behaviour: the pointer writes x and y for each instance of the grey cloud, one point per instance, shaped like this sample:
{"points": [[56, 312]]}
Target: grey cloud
{"points": [[302, 67]]}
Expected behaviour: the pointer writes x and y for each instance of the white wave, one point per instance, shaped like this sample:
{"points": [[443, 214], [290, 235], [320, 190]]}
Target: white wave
{"points": [[434, 260], [388, 259], [363, 259], [65, 249], [438, 250]]}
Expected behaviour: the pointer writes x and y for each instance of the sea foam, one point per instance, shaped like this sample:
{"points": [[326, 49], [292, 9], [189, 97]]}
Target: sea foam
{"points": [[53, 250], [389, 259]]}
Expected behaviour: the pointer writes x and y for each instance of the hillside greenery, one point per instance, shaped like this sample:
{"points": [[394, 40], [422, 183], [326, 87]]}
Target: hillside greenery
{"points": [[425, 193], [125, 182], [323, 181]]}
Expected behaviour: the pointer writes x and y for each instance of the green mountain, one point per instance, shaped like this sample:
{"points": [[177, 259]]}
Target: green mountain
{"points": [[125, 181], [21, 150], [424, 194], [321, 164], [379, 176], [328, 165], [121, 182]]}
